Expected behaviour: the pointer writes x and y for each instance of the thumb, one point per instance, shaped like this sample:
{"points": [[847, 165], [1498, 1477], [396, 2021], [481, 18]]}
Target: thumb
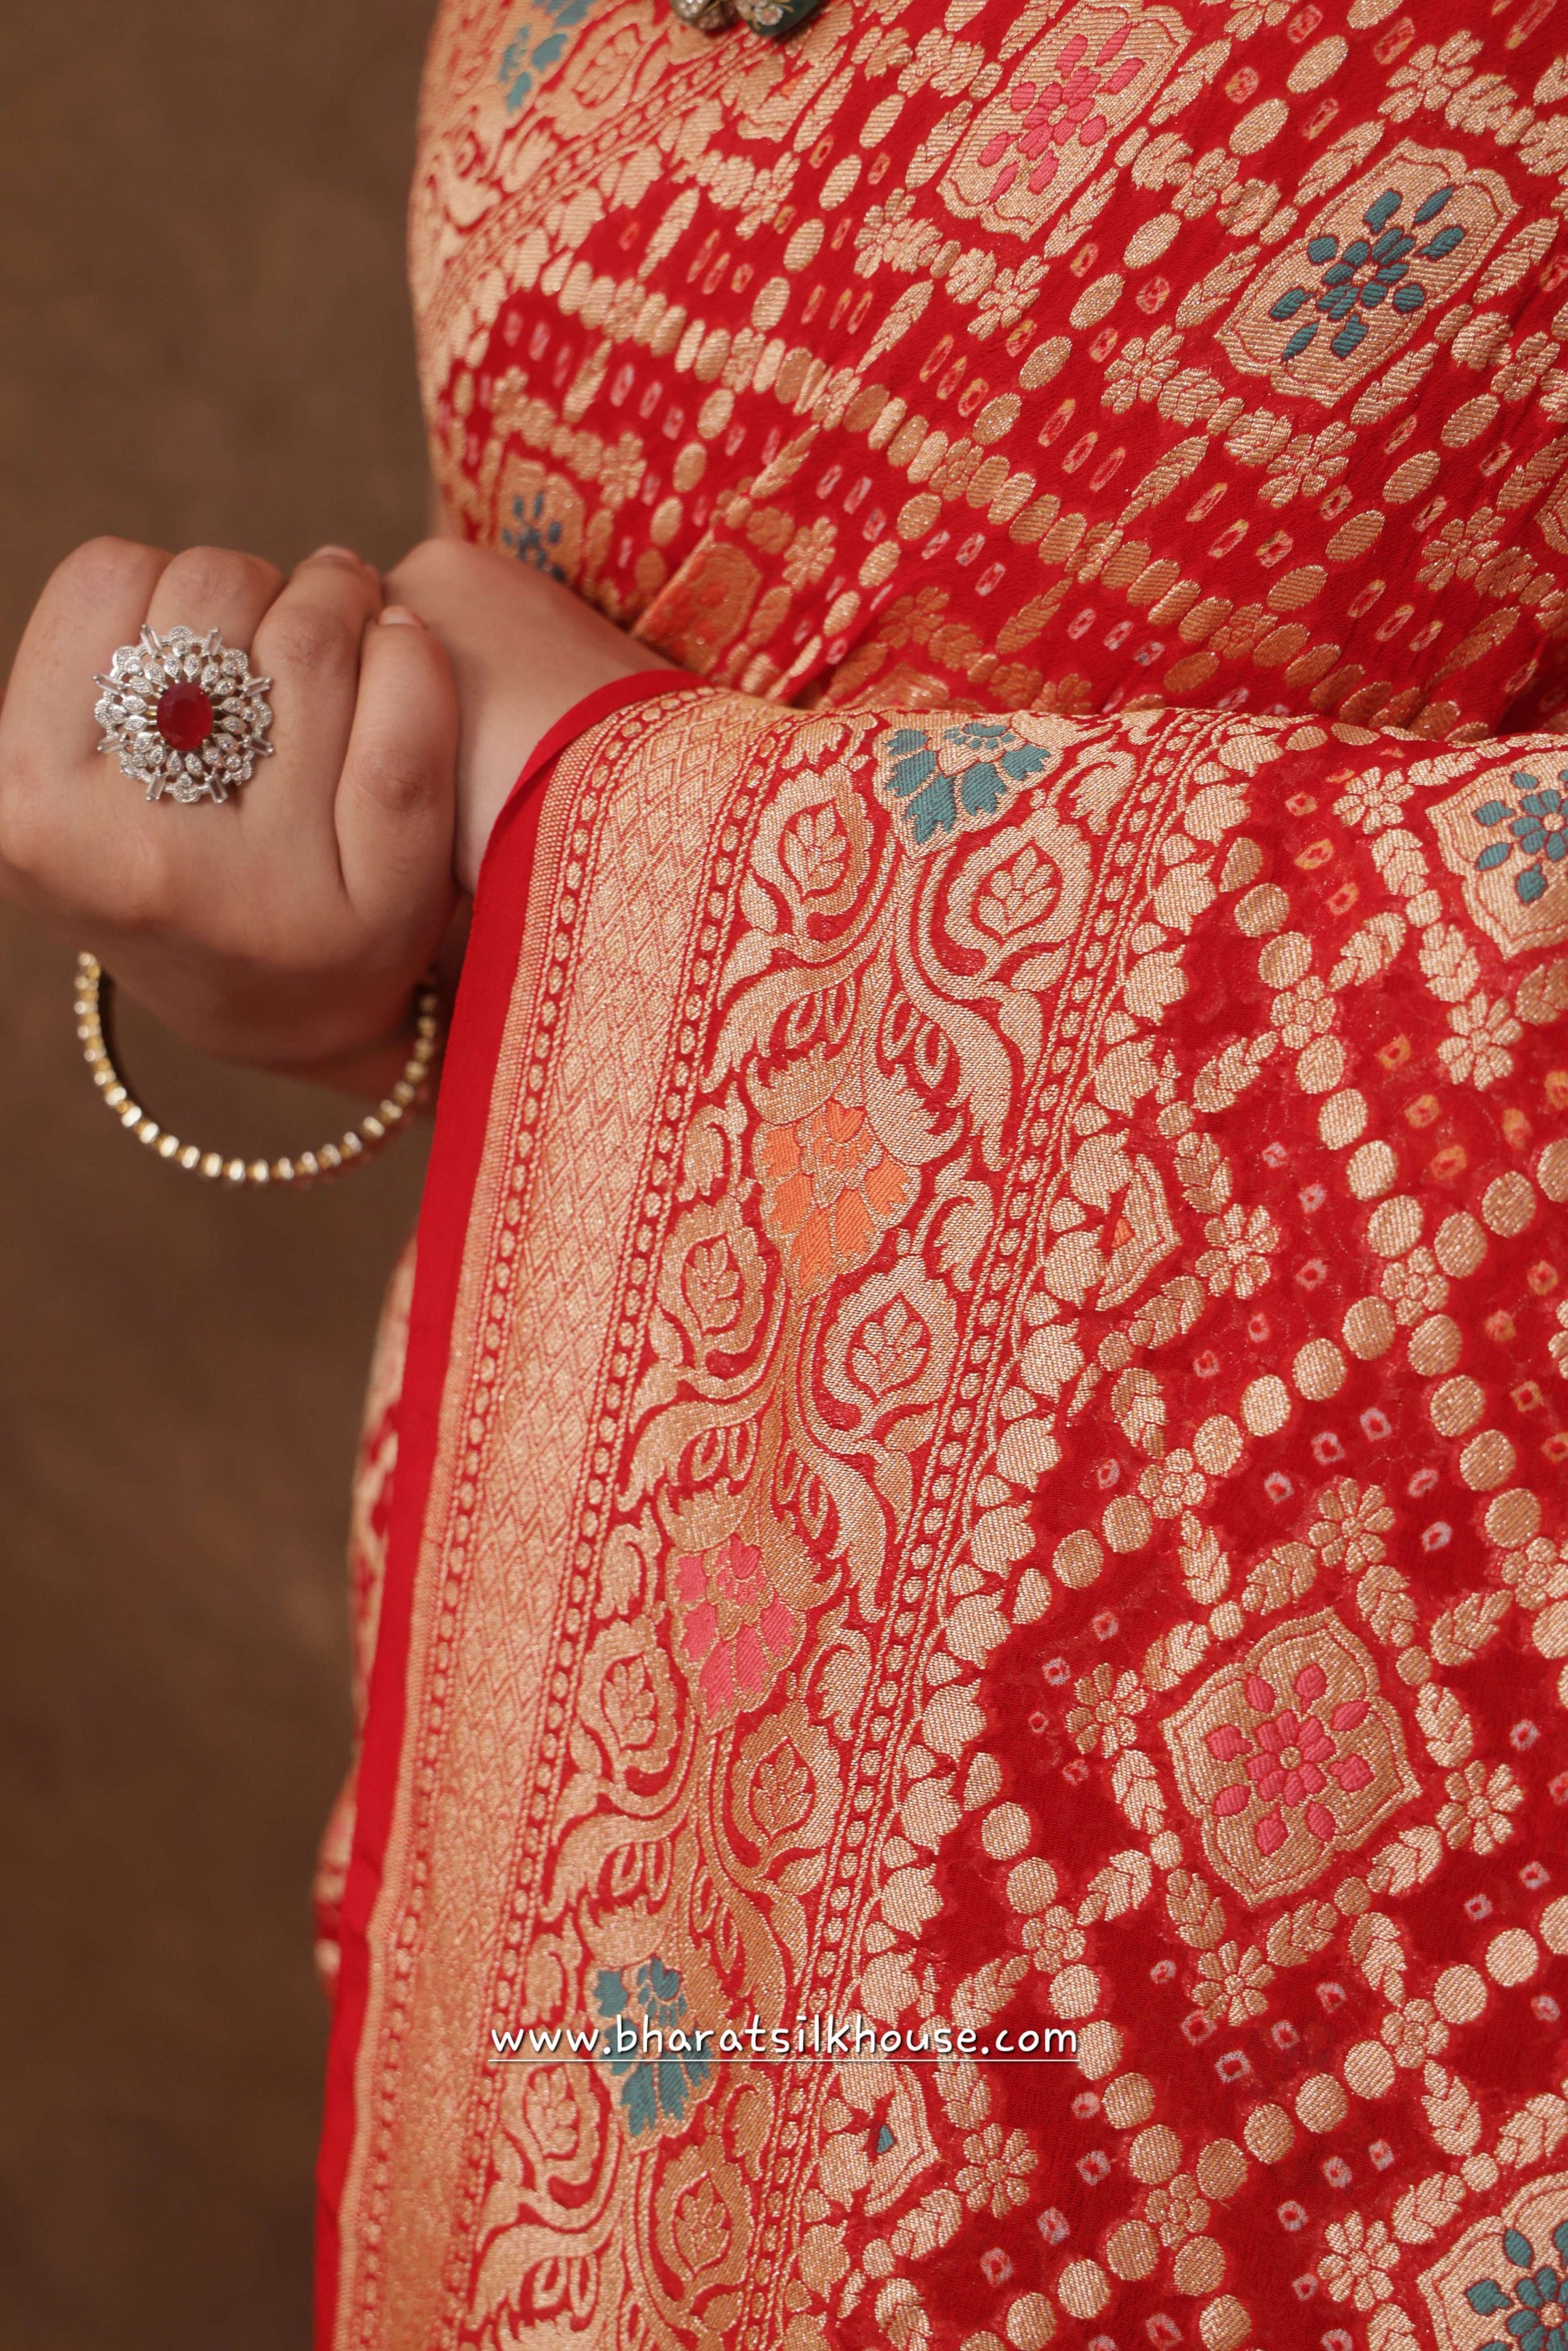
{"points": [[395, 800]]}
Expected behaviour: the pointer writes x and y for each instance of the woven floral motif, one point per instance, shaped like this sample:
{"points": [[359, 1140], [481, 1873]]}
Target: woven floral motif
{"points": [[1506, 2280], [1059, 109], [1348, 297], [1512, 832], [1290, 1755]]}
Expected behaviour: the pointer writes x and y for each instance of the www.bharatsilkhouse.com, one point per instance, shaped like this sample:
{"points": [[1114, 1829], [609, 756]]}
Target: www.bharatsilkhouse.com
{"points": [[826, 2039]]}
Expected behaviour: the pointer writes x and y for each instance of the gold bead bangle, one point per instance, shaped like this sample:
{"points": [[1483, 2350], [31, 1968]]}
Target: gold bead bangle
{"points": [[94, 989]]}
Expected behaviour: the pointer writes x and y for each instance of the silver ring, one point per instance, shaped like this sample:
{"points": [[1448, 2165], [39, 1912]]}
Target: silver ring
{"points": [[185, 714]]}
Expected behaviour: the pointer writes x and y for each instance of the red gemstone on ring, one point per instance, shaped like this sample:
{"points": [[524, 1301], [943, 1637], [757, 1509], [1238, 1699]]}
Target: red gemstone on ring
{"points": [[184, 715]]}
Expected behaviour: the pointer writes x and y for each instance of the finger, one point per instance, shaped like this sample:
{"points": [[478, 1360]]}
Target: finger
{"points": [[94, 603], [395, 803], [214, 588], [309, 645], [69, 822], [203, 589]]}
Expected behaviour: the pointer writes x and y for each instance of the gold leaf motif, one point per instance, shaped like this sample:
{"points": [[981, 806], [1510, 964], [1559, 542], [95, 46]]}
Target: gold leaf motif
{"points": [[780, 1793], [700, 2226], [1384, 1598], [1369, 950], [1389, 2329], [1195, 1910], [1168, 1314], [1449, 963], [1230, 1073], [1173, 1655], [1205, 1571], [1119, 1887], [1405, 1861], [1397, 388], [1301, 1933], [1138, 1403], [1378, 1950], [1452, 2114], [1427, 2207], [1284, 1574], [1445, 1726], [1543, 994], [1532, 2134], [1203, 1173], [1465, 1629], [1136, 1788], [930, 2225], [984, 1993]]}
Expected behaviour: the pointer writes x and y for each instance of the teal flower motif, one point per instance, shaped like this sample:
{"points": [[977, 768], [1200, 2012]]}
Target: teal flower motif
{"points": [[948, 773], [1537, 829], [656, 2080], [529, 58], [1536, 2303], [537, 535], [1371, 270]]}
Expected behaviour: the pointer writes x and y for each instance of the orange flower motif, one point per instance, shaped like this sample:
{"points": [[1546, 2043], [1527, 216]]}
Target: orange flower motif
{"points": [[830, 1192]]}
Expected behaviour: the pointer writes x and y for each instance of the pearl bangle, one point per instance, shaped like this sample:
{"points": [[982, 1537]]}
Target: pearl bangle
{"points": [[93, 986]]}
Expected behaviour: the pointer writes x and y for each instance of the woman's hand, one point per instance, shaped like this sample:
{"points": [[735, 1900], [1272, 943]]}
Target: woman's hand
{"points": [[288, 925], [526, 650]]}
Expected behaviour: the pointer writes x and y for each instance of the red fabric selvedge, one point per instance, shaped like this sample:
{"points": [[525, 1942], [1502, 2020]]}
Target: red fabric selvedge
{"points": [[478, 1020]]}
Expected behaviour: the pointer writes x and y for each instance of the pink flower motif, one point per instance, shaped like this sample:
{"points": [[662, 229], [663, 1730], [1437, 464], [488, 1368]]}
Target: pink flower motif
{"points": [[736, 1628], [1292, 1761], [1055, 112]]}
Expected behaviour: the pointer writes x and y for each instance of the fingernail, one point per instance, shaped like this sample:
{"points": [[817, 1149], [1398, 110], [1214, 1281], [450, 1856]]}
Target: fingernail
{"points": [[398, 616], [337, 555]]}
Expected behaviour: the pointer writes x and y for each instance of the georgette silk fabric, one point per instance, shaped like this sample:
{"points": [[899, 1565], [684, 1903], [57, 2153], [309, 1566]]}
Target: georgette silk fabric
{"points": [[977, 1438]]}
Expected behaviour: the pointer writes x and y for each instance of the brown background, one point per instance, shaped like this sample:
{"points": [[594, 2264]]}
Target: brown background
{"points": [[203, 337]]}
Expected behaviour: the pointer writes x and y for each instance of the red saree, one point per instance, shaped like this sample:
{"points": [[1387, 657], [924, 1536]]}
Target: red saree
{"points": [[981, 1438]]}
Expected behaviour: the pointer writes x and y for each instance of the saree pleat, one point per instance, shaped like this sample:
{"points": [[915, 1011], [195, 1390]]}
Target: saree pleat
{"points": [[982, 1439]]}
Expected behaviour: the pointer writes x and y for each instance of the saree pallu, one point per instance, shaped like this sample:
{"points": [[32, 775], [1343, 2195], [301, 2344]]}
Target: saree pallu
{"points": [[982, 1441], [981, 1444]]}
